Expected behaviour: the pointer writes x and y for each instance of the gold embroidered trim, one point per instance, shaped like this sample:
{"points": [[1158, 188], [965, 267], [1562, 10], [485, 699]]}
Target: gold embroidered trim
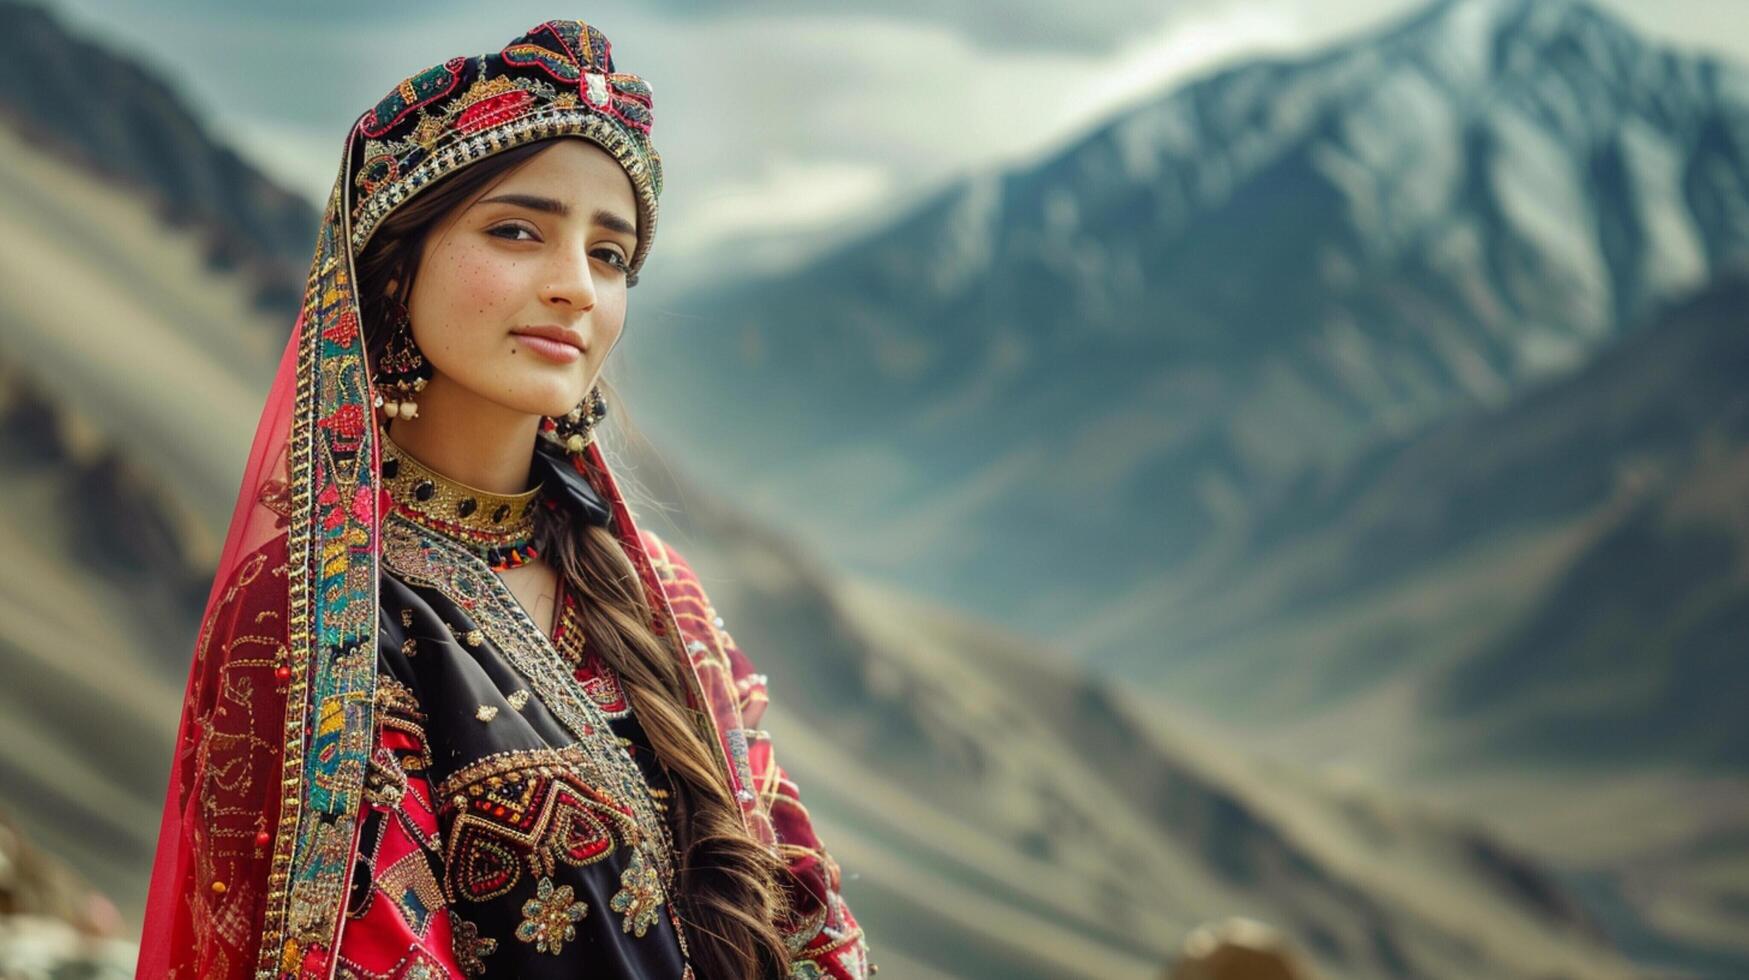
{"points": [[478, 519], [394, 697], [298, 621], [467, 148], [491, 770]]}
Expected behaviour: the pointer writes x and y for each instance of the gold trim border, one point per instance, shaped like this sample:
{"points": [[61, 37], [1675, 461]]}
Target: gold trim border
{"points": [[537, 125]]}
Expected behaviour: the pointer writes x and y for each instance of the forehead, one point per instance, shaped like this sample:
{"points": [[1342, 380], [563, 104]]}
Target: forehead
{"points": [[576, 172]]}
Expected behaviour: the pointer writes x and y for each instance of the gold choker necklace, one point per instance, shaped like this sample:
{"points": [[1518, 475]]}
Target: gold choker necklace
{"points": [[499, 527]]}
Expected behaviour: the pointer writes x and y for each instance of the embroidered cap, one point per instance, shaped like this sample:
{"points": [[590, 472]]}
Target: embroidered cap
{"points": [[556, 80]]}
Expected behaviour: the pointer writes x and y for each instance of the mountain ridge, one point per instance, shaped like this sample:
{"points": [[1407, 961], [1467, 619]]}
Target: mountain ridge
{"points": [[58, 89], [1264, 272]]}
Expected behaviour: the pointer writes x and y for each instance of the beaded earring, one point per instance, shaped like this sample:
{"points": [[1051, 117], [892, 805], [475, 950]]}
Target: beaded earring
{"points": [[576, 428], [402, 369]]}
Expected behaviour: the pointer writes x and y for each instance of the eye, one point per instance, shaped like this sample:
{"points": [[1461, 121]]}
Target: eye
{"points": [[512, 229], [618, 261]]}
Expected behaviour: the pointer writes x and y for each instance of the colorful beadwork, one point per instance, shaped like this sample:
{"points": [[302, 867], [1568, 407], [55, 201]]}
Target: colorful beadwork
{"points": [[558, 79], [549, 919], [499, 527], [471, 948], [639, 896]]}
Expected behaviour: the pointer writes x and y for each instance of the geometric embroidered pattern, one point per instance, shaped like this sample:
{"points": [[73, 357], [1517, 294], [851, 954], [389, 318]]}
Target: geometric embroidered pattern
{"points": [[525, 810], [597, 679], [409, 884]]}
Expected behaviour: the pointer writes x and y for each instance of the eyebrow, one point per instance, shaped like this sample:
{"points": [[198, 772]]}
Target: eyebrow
{"points": [[605, 218]]}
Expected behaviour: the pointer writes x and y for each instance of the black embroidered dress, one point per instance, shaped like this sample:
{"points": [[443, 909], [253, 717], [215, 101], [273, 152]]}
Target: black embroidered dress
{"points": [[516, 821]]}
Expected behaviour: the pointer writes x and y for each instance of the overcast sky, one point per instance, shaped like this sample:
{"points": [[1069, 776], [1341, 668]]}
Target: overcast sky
{"points": [[774, 117]]}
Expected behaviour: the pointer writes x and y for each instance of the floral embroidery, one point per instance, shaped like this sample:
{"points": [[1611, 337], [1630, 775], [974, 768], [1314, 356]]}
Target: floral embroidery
{"points": [[549, 919], [470, 946], [639, 896]]}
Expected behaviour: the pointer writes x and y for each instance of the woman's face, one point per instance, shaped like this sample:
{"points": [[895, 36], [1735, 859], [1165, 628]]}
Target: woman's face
{"points": [[543, 249]]}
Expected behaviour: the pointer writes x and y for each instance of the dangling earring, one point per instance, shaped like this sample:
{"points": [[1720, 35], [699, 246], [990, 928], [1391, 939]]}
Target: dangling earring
{"points": [[576, 428], [402, 369]]}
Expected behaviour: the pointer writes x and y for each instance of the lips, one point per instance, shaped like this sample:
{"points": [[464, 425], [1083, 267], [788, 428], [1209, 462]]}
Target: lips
{"points": [[554, 333]]}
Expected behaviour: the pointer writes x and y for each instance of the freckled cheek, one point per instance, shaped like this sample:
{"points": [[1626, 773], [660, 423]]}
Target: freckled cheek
{"points": [[485, 288]]}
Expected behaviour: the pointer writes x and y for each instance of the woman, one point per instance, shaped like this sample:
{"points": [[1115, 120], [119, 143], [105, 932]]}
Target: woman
{"points": [[451, 712]]}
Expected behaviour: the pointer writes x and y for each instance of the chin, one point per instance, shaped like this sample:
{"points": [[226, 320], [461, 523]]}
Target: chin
{"points": [[540, 407], [544, 398]]}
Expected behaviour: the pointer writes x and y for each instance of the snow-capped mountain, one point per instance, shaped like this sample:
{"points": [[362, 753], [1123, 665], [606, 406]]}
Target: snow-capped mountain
{"points": [[1047, 388]]}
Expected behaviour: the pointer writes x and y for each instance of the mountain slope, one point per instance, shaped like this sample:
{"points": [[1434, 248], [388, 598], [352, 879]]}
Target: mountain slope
{"points": [[1606, 505], [1535, 614], [957, 764], [1105, 363], [58, 91], [1653, 612]]}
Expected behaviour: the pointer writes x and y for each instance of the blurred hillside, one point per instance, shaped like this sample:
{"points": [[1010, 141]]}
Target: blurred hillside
{"points": [[1597, 517], [1537, 614], [59, 93], [999, 811]]}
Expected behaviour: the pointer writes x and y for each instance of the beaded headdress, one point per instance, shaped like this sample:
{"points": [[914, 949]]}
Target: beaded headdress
{"points": [[556, 80]]}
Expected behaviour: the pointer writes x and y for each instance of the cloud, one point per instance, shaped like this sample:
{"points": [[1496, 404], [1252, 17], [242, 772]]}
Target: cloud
{"points": [[789, 195], [1089, 28], [773, 128]]}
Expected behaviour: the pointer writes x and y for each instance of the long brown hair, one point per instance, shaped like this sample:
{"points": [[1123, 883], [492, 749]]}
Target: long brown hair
{"points": [[730, 895]]}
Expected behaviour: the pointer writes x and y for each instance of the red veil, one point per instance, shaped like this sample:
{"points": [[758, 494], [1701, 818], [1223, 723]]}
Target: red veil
{"points": [[260, 821]]}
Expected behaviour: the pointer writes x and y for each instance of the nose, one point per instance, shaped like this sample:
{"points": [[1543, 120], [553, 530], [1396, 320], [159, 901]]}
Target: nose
{"points": [[569, 281]]}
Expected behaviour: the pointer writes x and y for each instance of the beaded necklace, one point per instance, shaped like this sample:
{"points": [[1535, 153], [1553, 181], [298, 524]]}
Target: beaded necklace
{"points": [[499, 527]]}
